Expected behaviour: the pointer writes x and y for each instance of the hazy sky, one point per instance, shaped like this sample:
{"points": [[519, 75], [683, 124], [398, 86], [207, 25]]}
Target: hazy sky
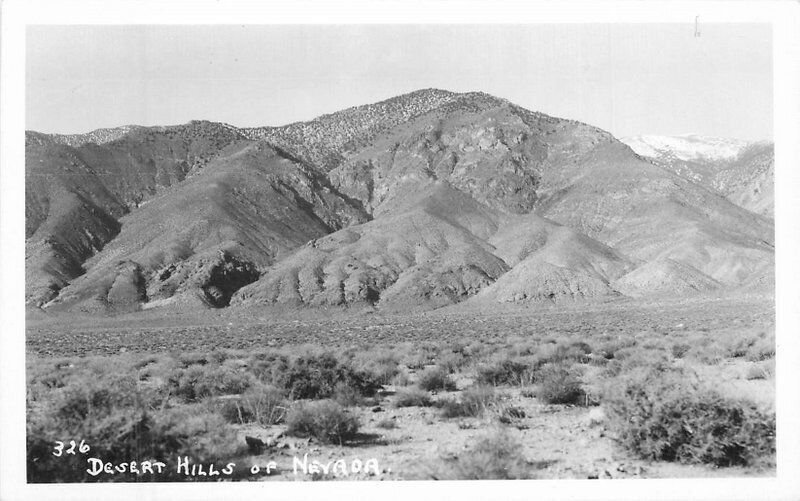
{"points": [[626, 78]]}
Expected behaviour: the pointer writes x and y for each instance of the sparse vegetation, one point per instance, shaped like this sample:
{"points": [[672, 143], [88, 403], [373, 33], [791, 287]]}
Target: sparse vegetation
{"points": [[505, 371], [667, 415], [496, 455], [318, 376], [199, 381], [413, 397], [118, 401], [325, 420], [559, 385], [387, 424], [123, 422], [436, 379], [260, 404], [474, 401]]}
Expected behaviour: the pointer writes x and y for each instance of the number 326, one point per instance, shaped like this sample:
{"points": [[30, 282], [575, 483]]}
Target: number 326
{"points": [[83, 448]]}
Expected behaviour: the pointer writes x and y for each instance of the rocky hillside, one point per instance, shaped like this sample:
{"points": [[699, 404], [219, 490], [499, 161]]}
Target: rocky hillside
{"points": [[98, 136], [75, 196], [419, 201], [741, 171]]}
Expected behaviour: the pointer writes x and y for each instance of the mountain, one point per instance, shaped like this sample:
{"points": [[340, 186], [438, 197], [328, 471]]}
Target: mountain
{"points": [[75, 195], [741, 171], [511, 161], [206, 237], [419, 201]]}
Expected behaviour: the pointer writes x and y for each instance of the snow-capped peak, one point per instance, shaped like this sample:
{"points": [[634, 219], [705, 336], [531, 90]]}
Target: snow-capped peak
{"points": [[688, 147]]}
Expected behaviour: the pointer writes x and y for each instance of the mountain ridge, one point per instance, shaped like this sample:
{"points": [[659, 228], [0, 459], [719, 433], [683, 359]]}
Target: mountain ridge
{"points": [[418, 201], [741, 171]]}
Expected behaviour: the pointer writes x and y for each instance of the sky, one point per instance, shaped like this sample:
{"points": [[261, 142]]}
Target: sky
{"points": [[629, 79]]}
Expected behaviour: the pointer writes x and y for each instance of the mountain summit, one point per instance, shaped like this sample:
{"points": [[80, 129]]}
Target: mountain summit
{"points": [[419, 201]]}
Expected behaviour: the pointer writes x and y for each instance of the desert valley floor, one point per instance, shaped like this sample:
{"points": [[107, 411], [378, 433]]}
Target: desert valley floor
{"points": [[726, 342]]}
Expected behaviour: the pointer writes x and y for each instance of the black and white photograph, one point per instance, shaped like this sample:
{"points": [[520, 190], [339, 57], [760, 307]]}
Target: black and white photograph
{"points": [[364, 251]]}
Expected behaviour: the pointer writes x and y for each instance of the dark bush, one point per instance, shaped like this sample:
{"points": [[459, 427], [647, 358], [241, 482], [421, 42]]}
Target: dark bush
{"points": [[347, 395], [317, 376], [762, 349], [267, 366], [383, 367], [668, 415], [680, 349], [474, 402], [412, 397], [261, 404], [506, 371], [199, 381], [496, 455], [324, 420], [121, 422], [559, 385], [435, 379]]}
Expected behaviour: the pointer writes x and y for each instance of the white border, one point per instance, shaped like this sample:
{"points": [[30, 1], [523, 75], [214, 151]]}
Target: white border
{"points": [[16, 14]]}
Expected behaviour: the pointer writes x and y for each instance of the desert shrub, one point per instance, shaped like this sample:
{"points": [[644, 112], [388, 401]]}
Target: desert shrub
{"points": [[496, 455], [416, 360], [262, 404], [507, 413], [680, 349], [218, 356], [627, 352], [458, 347], [558, 384], [317, 376], [505, 371], [627, 359], [412, 397], [436, 379], [324, 420], [521, 346], [708, 351], [401, 379], [577, 351], [668, 415], [231, 409], [145, 361], [383, 366], [762, 349], [200, 381], [48, 375], [612, 369], [204, 437], [579, 348], [653, 345], [347, 395], [267, 366], [452, 361], [759, 371], [192, 358], [610, 348], [420, 356], [121, 422], [476, 349], [474, 401], [387, 424]]}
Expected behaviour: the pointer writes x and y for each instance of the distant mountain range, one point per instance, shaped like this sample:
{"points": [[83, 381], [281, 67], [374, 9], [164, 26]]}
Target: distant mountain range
{"points": [[742, 171], [420, 201]]}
